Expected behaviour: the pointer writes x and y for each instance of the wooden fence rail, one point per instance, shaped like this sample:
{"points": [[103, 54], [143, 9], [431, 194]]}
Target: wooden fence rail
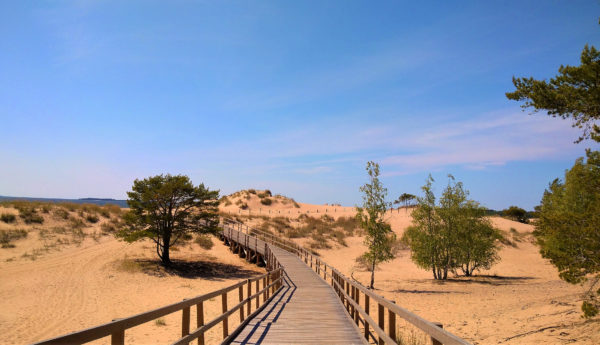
{"points": [[272, 283], [351, 293]]}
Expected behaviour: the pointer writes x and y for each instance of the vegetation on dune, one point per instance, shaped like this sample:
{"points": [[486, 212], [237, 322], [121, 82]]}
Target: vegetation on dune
{"points": [[405, 198], [266, 201], [168, 209], [568, 229], [454, 235], [379, 237], [516, 213], [204, 241], [8, 218], [7, 236]]}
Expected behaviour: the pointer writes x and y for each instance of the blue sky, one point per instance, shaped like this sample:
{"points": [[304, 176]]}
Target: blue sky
{"points": [[295, 96]]}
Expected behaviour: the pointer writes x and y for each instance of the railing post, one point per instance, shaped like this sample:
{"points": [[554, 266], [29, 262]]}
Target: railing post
{"points": [[433, 340], [249, 288], [367, 311], [185, 321], [381, 321], [224, 309], [392, 324], [265, 289], [357, 301], [241, 293], [257, 294], [347, 285], [200, 320], [118, 338]]}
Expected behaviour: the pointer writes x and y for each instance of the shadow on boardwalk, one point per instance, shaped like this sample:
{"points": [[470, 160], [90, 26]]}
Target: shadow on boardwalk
{"points": [[261, 326]]}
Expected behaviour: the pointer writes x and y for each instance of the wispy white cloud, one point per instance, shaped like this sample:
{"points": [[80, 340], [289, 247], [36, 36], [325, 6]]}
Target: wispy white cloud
{"points": [[491, 139]]}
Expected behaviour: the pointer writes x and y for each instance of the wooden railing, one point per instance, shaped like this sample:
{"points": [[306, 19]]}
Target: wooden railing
{"points": [[351, 293], [271, 284]]}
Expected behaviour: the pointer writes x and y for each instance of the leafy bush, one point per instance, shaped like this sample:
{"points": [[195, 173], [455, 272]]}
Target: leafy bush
{"points": [[252, 191], [452, 235], [266, 201], [515, 213], [8, 218]]}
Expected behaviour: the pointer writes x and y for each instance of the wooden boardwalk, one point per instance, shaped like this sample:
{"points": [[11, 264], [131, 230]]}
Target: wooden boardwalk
{"points": [[306, 311]]}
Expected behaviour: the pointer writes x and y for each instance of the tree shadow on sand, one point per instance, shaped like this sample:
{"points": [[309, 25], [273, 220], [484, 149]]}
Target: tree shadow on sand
{"points": [[427, 291], [494, 280], [205, 269]]}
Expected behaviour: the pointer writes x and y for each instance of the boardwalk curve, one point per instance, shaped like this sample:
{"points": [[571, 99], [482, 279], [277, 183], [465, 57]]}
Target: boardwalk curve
{"points": [[306, 311]]}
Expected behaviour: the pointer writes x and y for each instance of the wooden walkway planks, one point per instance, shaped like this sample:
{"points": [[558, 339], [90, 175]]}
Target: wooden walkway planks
{"points": [[306, 311]]}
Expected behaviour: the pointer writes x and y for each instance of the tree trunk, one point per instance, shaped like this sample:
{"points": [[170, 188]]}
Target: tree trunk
{"points": [[372, 273], [166, 260]]}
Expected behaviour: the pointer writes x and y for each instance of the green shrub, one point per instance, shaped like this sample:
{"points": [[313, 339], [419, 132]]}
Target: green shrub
{"points": [[266, 201], [204, 241], [8, 218], [243, 206], [252, 191]]}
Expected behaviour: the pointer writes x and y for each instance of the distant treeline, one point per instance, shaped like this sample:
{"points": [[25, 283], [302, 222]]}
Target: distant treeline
{"points": [[97, 201], [528, 214]]}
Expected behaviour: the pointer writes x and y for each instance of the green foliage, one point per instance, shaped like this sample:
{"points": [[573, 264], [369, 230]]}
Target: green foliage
{"points": [[266, 201], [8, 218], [574, 93], [167, 209], [516, 213], [452, 235], [405, 199], [379, 237], [568, 229]]}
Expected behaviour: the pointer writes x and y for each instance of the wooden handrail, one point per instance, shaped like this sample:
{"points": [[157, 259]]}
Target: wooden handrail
{"points": [[436, 333]]}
